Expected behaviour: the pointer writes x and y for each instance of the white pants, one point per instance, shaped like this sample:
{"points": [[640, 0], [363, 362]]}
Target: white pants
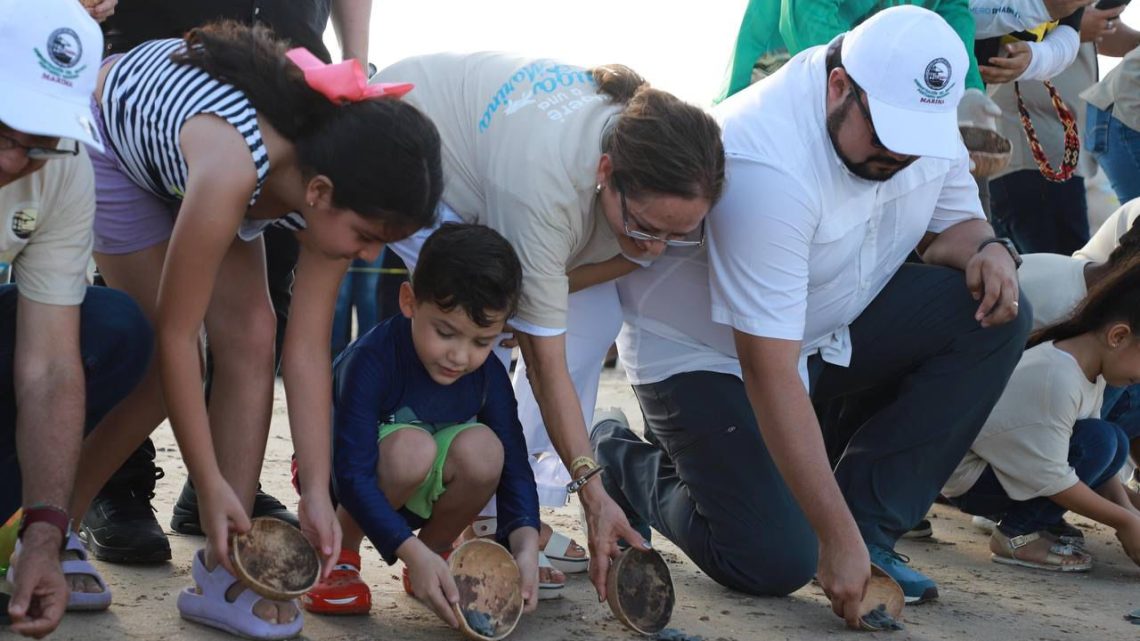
{"points": [[593, 321]]}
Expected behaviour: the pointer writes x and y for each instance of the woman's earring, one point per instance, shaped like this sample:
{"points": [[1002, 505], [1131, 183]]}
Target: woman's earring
{"points": [[312, 204], [598, 188]]}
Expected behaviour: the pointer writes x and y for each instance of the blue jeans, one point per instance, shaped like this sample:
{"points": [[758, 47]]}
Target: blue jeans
{"points": [[1040, 216], [115, 343], [1097, 451], [358, 289], [1116, 148]]}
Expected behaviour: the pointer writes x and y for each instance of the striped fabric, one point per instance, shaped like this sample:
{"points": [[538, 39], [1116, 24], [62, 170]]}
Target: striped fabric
{"points": [[145, 101]]}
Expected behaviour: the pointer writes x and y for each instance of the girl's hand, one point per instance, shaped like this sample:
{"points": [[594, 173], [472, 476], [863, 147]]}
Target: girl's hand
{"points": [[321, 527], [221, 513], [1129, 536], [431, 579]]}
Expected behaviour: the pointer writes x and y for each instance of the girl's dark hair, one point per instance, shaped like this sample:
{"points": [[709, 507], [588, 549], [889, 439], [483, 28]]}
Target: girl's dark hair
{"points": [[382, 156], [659, 143], [1115, 299], [469, 266]]}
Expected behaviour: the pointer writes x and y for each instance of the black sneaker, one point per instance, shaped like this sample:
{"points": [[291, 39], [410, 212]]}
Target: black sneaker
{"points": [[1067, 534], [185, 519], [120, 526], [921, 531]]}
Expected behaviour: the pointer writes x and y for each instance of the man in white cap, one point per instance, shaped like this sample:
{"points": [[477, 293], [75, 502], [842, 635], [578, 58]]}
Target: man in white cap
{"points": [[68, 353], [839, 167]]}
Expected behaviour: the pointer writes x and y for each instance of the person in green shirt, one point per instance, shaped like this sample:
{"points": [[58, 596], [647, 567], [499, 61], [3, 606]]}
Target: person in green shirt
{"points": [[774, 31]]}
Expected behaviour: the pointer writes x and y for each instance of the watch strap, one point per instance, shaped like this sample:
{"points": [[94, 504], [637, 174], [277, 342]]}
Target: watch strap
{"points": [[50, 514]]}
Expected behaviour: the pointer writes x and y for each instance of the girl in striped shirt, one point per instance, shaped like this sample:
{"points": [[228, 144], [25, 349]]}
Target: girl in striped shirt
{"points": [[210, 140]]}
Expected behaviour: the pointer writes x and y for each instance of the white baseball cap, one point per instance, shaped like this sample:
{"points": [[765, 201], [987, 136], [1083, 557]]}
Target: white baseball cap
{"points": [[912, 66], [51, 51]]}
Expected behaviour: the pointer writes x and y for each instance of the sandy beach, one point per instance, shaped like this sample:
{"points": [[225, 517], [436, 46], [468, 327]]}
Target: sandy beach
{"points": [[979, 599]]}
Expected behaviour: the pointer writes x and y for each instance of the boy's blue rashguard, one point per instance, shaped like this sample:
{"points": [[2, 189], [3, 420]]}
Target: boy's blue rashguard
{"points": [[379, 375]]}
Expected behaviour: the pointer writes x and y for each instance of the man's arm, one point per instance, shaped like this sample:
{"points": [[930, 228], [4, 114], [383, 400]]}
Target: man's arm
{"points": [[50, 397], [793, 437], [350, 22]]}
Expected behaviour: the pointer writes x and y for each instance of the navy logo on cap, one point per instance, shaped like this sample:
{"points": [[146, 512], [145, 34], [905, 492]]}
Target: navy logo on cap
{"points": [[64, 52], [937, 74], [64, 48], [935, 84]]}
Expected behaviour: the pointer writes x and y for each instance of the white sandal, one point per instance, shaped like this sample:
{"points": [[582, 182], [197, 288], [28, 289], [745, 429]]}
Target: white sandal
{"points": [[486, 526]]}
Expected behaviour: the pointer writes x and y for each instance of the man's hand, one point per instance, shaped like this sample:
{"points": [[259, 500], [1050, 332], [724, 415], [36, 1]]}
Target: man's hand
{"points": [[991, 276], [605, 524], [40, 596], [844, 570], [431, 579], [1009, 67], [1096, 24], [1063, 8]]}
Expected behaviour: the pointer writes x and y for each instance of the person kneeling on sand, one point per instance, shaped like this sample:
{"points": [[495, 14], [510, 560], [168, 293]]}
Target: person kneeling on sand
{"points": [[812, 301], [68, 352], [449, 437]]}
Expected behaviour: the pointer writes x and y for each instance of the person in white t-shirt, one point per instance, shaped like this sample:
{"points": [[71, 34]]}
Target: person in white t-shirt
{"points": [[839, 166], [588, 173], [1044, 450], [68, 352]]}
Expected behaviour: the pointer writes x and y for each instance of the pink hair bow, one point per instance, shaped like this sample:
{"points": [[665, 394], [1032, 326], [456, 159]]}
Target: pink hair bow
{"points": [[343, 81]]}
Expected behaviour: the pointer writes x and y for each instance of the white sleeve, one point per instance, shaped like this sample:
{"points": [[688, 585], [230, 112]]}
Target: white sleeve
{"points": [[1052, 55], [760, 237], [993, 18], [1107, 237], [958, 201]]}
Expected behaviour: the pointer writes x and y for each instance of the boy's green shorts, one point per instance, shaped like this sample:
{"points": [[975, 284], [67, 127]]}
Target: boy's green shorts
{"points": [[432, 488]]}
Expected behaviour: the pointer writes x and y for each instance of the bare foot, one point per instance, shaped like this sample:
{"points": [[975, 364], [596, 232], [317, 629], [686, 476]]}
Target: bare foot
{"points": [[573, 551], [79, 582]]}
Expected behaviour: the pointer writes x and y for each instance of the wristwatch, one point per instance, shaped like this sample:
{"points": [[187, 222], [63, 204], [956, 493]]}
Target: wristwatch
{"points": [[1009, 246]]}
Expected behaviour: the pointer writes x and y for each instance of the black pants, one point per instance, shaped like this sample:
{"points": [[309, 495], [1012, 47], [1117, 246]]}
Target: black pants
{"points": [[1041, 216], [115, 342], [922, 380]]}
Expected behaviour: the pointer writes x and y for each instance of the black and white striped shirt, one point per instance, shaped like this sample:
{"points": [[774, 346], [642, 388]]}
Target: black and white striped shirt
{"points": [[146, 100]]}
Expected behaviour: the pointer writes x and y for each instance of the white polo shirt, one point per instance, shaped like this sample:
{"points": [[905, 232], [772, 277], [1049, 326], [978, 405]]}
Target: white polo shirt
{"points": [[798, 245]]}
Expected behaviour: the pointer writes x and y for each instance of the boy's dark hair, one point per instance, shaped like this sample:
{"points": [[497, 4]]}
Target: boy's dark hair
{"points": [[468, 266], [383, 156]]}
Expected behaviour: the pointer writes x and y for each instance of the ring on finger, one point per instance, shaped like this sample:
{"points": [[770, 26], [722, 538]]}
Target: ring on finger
{"points": [[1015, 303]]}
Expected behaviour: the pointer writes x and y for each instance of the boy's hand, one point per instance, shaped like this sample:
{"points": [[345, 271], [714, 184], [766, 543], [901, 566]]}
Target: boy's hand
{"points": [[321, 527], [524, 547], [431, 579], [221, 512]]}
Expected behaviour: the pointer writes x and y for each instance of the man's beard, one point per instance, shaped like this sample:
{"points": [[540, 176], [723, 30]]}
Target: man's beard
{"points": [[885, 167]]}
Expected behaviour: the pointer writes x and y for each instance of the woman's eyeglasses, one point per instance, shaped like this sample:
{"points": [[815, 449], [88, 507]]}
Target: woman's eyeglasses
{"points": [[637, 234]]}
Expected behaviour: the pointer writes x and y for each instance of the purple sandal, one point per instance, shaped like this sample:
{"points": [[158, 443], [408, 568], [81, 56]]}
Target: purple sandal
{"points": [[210, 607], [79, 601]]}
